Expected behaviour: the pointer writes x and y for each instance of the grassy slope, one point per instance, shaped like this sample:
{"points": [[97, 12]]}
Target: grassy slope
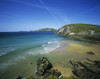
{"points": [[83, 27], [48, 29], [77, 28]]}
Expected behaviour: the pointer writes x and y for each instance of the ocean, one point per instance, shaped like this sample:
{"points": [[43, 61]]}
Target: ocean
{"points": [[28, 42], [17, 46]]}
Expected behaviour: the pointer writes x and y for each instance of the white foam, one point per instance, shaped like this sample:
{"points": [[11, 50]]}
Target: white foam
{"points": [[51, 46], [3, 53], [5, 65], [10, 62], [49, 42], [43, 45], [19, 58]]}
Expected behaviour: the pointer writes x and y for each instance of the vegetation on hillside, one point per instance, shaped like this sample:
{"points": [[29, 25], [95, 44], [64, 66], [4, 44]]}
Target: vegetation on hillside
{"points": [[84, 32], [47, 29], [83, 27]]}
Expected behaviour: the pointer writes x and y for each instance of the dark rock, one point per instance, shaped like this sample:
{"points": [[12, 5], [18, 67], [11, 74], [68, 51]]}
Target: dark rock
{"points": [[19, 77], [43, 65], [55, 73], [44, 69], [88, 69], [91, 53]]}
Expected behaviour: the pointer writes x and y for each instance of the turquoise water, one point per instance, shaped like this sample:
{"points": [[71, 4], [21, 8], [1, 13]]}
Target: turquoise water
{"points": [[19, 49], [19, 41], [15, 46]]}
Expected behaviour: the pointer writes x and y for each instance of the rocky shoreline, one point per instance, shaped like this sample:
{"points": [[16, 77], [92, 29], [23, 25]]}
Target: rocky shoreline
{"points": [[45, 69], [81, 32], [88, 69], [82, 69], [74, 62]]}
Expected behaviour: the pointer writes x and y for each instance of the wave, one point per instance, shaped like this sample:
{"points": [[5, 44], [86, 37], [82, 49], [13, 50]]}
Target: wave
{"points": [[32, 50], [16, 55], [4, 51], [10, 62], [45, 48], [51, 46]]}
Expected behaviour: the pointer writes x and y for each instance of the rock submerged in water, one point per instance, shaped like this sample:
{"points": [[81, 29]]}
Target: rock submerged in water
{"points": [[87, 70], [91, 53], [44, 69], [19, 77]]}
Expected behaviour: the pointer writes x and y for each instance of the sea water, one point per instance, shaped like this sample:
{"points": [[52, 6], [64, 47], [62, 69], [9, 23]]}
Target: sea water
{"points": [[17, 46]]}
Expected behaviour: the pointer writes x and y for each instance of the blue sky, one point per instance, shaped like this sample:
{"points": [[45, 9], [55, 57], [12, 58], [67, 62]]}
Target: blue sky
{"points": [[26, 15]]}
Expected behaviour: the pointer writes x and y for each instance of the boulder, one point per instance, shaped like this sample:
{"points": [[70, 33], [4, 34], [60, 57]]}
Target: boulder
{"points": [[43, 65], [87, 70], [44, 69], [19, 77], [91, 53]]}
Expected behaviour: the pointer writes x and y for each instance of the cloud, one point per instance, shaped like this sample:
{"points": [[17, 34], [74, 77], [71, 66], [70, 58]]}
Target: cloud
{"points": [[45, 7], [57, 16], [54, 14]]}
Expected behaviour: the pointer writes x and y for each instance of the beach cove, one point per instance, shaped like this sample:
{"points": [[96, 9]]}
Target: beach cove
{"points": [[65, 50]]}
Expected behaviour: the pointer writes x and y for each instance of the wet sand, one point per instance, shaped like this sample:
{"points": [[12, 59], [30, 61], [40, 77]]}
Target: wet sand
{"points": [[73, 51], [59, 59]]}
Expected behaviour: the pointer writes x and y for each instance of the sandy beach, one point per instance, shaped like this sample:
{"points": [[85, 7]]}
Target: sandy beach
{"points": [[59, 58], [72, 51]]}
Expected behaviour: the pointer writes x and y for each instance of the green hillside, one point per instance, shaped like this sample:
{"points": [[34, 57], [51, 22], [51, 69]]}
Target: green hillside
{"points": [[47, 29], [83, 27], [84, 32]]}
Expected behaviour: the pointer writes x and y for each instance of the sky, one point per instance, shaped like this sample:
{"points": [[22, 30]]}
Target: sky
{"points": [[28, 15]]}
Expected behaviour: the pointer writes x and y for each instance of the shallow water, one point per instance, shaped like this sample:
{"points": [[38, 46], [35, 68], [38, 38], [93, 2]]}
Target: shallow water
{"points": [[19, 49]]}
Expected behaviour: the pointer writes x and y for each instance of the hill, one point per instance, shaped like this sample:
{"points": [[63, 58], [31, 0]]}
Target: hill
{"points": [[84, 32], [47, 29]]}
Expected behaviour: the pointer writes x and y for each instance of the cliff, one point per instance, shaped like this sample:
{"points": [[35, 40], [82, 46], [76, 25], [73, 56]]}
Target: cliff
{"points": [[84, 32]]}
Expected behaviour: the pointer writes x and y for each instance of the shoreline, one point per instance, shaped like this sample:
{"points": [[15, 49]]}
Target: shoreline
{"points": [[73, 51], [59, 57]]}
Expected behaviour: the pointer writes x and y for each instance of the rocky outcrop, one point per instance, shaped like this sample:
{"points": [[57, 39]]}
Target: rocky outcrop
{"points": [[20, 77], [65, 30], [91, 53], [87, 70], [83, 32], [45, 69]]}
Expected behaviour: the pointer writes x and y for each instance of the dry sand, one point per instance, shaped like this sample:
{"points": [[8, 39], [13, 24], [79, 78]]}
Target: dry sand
{"points": [[59, 59], [72, 51]]}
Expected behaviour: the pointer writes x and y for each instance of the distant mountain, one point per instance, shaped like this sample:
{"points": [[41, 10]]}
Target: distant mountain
{"points": [[47, 29], [85, 32]]}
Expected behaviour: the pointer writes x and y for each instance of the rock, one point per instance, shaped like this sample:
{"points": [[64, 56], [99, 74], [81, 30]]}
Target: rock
{"points": [[80, 32], [55, 73], [43, 65], [91, 53], [88, 69], [44, 69], [19, 77]]}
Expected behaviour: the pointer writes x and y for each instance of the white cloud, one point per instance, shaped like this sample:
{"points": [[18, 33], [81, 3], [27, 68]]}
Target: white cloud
{"points": [[55, 14]]}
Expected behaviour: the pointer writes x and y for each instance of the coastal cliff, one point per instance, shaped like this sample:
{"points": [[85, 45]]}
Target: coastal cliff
{"points": [[84, 32]]}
